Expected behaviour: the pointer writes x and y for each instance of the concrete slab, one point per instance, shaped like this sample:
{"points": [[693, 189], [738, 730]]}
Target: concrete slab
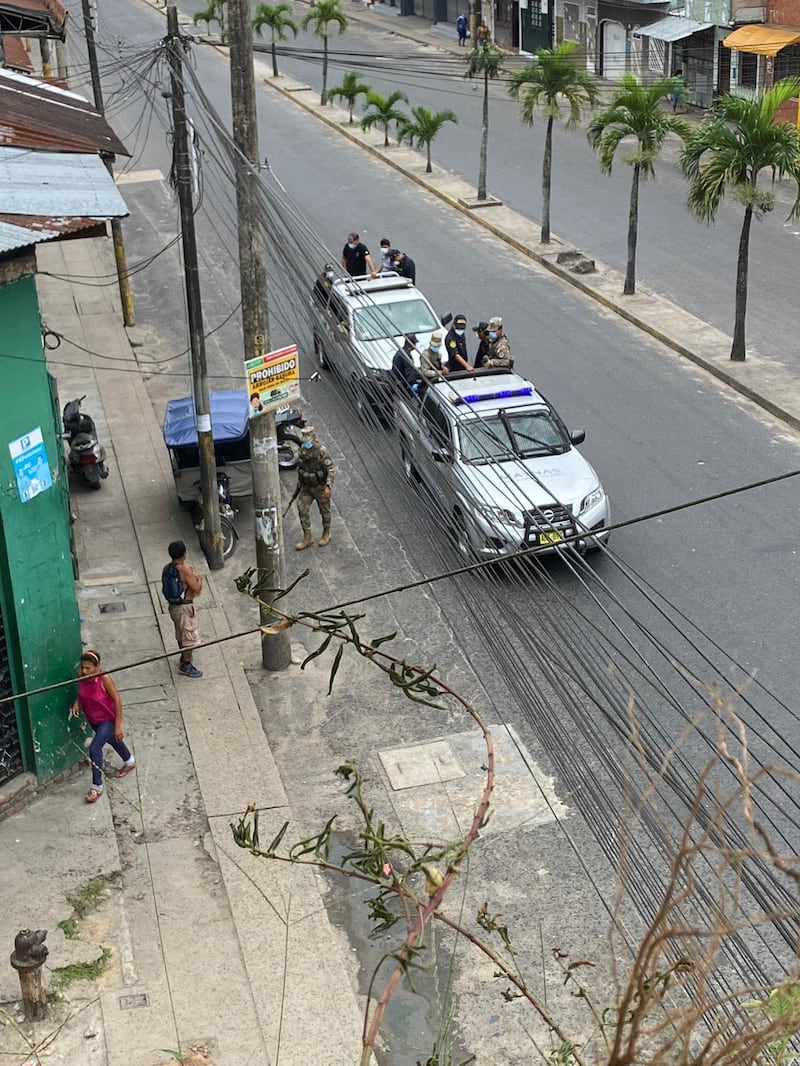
{"points": [[420, 764]]}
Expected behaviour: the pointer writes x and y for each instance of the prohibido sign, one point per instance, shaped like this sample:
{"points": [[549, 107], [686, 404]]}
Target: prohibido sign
{"points": [[273, 379]]}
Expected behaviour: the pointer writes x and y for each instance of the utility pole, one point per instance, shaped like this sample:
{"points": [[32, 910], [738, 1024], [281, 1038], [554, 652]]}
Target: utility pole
{"points": [[212, 535], [125, 294], [275, 648]]}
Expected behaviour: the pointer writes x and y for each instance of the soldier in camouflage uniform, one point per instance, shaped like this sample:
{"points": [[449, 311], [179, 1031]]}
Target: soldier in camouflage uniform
{"points": [[315, 474], [500, 349]]}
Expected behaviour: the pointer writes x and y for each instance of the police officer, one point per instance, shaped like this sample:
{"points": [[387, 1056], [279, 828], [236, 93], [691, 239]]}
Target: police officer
{"points": [[405, 367], [404, 265], [455, 345], [324, 284], [500, 349], [315, 474], [484, 344]]}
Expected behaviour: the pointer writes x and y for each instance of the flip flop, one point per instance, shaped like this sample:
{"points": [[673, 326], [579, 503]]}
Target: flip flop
{"points": [[93, 795], [124, 770]]}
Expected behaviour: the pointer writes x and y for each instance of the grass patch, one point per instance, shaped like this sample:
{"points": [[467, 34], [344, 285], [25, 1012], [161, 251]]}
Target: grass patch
{"points": [[64, 976], [85, 899], [69, 927]]}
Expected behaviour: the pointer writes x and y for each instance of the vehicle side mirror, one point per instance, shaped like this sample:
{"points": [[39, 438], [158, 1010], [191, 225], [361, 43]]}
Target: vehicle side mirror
{"points": [[439, 455], [447, 319], [578, 436]]}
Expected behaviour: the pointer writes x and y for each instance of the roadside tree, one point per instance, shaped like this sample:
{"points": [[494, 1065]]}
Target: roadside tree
{"points": [[725, 156], [214, 12], [278, 18], [422, 127], [636, 114], [324, 16], [553, 80], [350, 90], [381, 111], [485, 62]]}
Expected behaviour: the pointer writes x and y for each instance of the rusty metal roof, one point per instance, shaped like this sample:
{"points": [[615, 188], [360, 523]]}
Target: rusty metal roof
{"points": [[15, 54], [37, 114], [33, 18], [21, 231]]}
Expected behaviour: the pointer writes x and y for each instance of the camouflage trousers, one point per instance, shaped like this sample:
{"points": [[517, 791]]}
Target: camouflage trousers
{"points": [[304, 501]]}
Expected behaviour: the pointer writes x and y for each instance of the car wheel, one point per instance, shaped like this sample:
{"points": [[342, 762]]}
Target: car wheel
{"points": [[289, 451], [461, 536], [319, 351]]}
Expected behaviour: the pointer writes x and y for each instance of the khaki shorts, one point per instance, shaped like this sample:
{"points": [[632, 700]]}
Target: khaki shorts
{"points": [[185, 622]]}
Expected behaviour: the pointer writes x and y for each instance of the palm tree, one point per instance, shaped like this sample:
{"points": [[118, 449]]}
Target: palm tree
{"points": [[279, 19], [485, 62], [554, 78], [422, 127], [726, 154], [635, 112], [350, 90], [320, 17], [383, 112], [215, 12]]}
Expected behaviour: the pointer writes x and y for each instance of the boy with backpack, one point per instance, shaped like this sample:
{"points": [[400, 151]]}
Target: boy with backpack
{"points": [[181, 586]]}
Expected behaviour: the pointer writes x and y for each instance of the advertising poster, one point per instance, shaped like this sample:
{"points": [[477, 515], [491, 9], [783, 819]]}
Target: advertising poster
{"points": [[31, 468], [273, 379]]}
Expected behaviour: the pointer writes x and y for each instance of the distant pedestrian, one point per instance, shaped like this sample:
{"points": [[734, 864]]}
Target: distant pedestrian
{"points": [[387, 261], [405, 265], [484, 344], [181, 587], [482, 34], [455, 344], [462, 30], [315, 474], [500, 349], [356, 259], [100, 702]]}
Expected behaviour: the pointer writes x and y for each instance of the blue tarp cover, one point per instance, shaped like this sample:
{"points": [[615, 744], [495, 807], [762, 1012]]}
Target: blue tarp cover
{"points": [[229, 415]]}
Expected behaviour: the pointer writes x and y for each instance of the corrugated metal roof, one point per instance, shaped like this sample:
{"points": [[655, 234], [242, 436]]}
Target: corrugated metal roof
{"points": [[15, 54], [14, 237], [41, 18], [58, 184], [36, 114], [672, 28]]}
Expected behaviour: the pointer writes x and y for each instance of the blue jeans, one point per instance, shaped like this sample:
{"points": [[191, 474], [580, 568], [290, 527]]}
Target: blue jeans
{"points": [[104, 734]]}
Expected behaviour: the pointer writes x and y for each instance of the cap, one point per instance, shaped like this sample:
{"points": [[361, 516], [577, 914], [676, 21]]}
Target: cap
{"points": [[481, 327], [329, 266], [496, 322], [393, 252], [307, 433], [411, 338], [460, 320], [436, 337]]}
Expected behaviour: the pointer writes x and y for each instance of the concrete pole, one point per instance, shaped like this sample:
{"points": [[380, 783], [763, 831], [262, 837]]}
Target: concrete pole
{"points": [[125, 293], [212, 535], [61, 61], [275, 648]]}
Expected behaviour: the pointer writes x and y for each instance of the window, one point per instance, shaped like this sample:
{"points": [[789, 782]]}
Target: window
{"points": [[535, 14], [513, 434], [787, 63], [437, 423], [748, 70], [391, 319]]}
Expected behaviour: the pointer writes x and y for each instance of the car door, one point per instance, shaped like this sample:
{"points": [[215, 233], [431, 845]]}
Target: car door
{"points": [[435, 451]]}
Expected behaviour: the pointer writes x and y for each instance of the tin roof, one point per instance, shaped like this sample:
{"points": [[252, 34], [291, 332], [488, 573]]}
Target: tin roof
{"points": [[37, 114], [57, 185], [15, 54], [33, 18], [19, 231]]}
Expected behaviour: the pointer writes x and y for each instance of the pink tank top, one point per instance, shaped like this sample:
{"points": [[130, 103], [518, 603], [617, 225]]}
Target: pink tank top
{"points": [[95, 702]]}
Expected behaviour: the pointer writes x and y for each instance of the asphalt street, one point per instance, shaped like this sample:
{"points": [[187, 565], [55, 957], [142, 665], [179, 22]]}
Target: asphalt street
{"points": [[659, 432]]}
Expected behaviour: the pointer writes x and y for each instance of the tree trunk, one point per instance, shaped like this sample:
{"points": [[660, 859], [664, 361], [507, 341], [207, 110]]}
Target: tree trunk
{"points": [[738, 351], [350, 115], [484, 138], [324, 93], [633, 228], [428, 168], [547, 170], [386, 135], [274, 59]]}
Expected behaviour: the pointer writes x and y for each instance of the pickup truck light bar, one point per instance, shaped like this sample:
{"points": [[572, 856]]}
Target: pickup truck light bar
{"points": [[501, 394]]}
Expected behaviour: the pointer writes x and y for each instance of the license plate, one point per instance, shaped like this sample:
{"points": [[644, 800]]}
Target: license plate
{"points": [[551, 536]]}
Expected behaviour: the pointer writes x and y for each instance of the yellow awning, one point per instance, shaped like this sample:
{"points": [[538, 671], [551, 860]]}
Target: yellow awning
{"points": [[762, 40]]}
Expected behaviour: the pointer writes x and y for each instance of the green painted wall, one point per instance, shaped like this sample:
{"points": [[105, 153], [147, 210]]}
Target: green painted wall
{"points": [[37, 590]]}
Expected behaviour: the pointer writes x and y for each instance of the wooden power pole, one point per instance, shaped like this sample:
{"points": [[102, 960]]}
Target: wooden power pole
{"points": [[212, 536], [275, 648]]}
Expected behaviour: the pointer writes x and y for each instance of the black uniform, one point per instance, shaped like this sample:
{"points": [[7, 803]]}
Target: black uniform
{"points": [[453, 344], [404, 371], [407, 268], [484, 348], [355, 259]]}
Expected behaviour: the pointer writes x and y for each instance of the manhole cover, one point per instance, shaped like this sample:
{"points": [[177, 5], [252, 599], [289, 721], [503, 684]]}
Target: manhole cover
{"points": [[112, 608], [420, 764], [139, 999]]}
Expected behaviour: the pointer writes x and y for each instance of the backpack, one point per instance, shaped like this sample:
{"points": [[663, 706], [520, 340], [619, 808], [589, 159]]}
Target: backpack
{"points": [[171, 584]]}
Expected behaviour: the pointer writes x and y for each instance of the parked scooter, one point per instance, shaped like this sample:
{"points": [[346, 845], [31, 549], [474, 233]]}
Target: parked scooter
{"points": [[289, 422], [227, 512], [87, 456]]}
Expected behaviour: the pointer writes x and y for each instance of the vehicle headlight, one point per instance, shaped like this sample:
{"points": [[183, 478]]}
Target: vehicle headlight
{"points": [[594, 497], [503, 515]]}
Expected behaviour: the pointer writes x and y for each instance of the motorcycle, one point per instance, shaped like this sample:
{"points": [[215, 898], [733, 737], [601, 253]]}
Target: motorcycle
{"points": [[227, 512], [289, 422], [87, 456]]}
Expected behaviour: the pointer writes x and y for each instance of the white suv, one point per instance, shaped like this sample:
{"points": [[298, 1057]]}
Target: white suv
{"points": [[500, 465], [359, 325]]}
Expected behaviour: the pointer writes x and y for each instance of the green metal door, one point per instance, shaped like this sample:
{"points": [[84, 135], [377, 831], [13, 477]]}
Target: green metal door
{"points": [[535, 26]]}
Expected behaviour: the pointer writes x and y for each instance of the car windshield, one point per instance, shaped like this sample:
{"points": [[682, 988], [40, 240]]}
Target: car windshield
{"points": [[379, 321], [512, 435]]}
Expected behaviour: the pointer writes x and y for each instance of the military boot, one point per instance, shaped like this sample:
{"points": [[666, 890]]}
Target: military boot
{"points": [[326, 536], [306, 542]]}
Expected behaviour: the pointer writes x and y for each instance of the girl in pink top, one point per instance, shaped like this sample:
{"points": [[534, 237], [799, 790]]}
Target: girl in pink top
{"points": [[101, 704]]}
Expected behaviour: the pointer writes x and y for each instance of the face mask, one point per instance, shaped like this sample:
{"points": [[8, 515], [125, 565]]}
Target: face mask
{"points": [[435, 347], [350, 244], [492, 334], [308, 443], [459, 332], [329, 275]]}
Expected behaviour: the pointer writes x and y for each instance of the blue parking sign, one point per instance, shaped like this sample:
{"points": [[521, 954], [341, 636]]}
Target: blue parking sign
{"points": [[31, 469]]}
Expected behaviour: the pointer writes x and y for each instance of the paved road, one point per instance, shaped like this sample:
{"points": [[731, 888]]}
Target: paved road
{"points": [[659, 433]]}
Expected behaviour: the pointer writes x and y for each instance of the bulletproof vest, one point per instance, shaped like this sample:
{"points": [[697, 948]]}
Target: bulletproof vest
{"points": [[312, 469]]}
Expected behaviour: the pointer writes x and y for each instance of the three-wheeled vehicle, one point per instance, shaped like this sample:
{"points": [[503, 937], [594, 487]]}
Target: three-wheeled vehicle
{"points": [[230, 411]]}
